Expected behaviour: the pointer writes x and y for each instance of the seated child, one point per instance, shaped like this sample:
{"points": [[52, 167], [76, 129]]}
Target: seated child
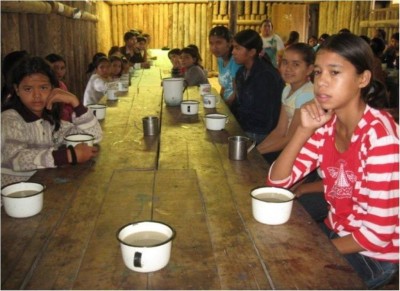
{"points": [[194, 74], [116, 67], [139, 56], [174, 57], [58, 65], [97, 84], [34, 110]]}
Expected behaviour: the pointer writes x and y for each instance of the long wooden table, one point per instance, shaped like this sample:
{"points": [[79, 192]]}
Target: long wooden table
{"points": [[182, 177]]}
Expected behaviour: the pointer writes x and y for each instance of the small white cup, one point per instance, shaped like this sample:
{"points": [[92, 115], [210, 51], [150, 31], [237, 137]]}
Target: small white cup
{"points": [[190, 107], [123, 86], [74, 139], [204, 89], [98, 110], [146, 245], [209, 101], [137, 66], [271, 205], [111, 95]]}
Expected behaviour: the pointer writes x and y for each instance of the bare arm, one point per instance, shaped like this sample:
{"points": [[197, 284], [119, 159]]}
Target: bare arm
{"points": [[312, 116], [269, 143]]}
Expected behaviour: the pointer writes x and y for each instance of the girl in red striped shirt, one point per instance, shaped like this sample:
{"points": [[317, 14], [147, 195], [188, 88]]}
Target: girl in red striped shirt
{"points": [[356, 147]]}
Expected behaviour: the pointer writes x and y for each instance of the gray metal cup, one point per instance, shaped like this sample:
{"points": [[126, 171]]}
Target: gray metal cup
{"points": [[150, 125], [238, 147]]}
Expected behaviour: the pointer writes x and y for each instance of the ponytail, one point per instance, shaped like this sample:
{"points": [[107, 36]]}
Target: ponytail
{"points": [[375, 95]]}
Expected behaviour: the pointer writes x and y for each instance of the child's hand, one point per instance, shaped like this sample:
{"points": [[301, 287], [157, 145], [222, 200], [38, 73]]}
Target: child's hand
{"points": [[59, 95], [84, 152], [313, 115]]}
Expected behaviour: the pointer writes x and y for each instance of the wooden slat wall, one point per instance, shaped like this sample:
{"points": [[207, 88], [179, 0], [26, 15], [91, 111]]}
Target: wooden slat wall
{"points": [[172, 24], [42, 34]]}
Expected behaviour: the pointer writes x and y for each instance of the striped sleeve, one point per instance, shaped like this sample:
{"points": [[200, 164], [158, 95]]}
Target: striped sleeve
{"points": [[379, 191]]}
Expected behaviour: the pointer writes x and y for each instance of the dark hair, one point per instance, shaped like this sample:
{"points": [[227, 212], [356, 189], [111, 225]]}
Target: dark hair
{"points": [[267, 21], [52, 58], [395, 36], [293, 38], [27, 67], [196, 49], [378, 46], [366, 38], [312, 37], [381, 33], [118, 59], [323, 36], [305, 50], [344, 30], [174, 51], [9, 61], [191, 51], [96, 60], [222, 32], [356, 51], [250, 39], [128, 35], [113, 50], [141, 38]]}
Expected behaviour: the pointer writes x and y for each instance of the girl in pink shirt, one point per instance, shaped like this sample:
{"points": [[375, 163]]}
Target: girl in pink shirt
{"points": [[356, 147]]}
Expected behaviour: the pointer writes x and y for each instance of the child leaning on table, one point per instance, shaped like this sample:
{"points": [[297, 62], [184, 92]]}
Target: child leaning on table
{"points": [[32, 132], [356, 147]]}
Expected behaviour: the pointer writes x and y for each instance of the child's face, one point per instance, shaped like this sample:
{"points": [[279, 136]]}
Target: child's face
{"points": [[103, 70], [131, 42], [336, 81], [219, 46], [116, 67], [294, 70], [312, 42], [174, 58], [60, 69], [241, 54], [187, 60], [33, 92], [141, 45]]}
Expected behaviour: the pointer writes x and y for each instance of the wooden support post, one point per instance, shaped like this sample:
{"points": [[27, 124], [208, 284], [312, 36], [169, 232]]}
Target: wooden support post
{"points": [[233, 16]]}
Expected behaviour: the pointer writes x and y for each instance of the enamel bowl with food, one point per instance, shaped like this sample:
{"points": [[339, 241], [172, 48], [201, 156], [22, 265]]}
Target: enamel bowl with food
{"points": [[215, 121], [22, 199], [271, 205]]}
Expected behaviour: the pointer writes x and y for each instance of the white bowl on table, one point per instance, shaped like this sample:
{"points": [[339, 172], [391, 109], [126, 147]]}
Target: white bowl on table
{"points": [[22, 199]]}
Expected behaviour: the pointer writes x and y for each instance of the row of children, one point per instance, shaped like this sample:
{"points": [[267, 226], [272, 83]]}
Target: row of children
{"points": [[341, 131], [328, 117]]}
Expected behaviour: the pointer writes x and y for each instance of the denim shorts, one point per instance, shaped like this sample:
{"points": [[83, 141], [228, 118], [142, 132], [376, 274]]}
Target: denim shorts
{"points": [[374, 273]]}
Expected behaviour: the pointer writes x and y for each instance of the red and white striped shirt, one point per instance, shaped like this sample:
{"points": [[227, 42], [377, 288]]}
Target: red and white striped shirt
{"points": [[361, 184]]}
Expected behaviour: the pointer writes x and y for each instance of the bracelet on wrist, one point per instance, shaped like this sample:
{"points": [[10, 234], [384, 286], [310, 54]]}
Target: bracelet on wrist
{"points": [[73, 155]]}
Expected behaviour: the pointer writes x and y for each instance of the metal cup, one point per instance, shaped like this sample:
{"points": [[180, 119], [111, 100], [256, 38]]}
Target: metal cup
{"points": [[150, 125], [238, 148]]}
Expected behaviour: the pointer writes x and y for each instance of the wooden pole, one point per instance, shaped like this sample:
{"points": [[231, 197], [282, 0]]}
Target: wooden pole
{"points": [[233, 14]]}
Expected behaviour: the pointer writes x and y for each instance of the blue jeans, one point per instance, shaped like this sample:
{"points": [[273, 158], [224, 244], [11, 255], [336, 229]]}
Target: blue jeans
{"points": [[374, 273]]}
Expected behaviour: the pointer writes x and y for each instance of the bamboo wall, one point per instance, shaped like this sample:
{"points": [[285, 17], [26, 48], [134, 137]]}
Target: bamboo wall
{"points": [[38, 28], [357, 16]]}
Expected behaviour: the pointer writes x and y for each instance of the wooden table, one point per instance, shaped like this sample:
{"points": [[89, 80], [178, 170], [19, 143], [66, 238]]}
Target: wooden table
{"points": [[182, 177]]}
